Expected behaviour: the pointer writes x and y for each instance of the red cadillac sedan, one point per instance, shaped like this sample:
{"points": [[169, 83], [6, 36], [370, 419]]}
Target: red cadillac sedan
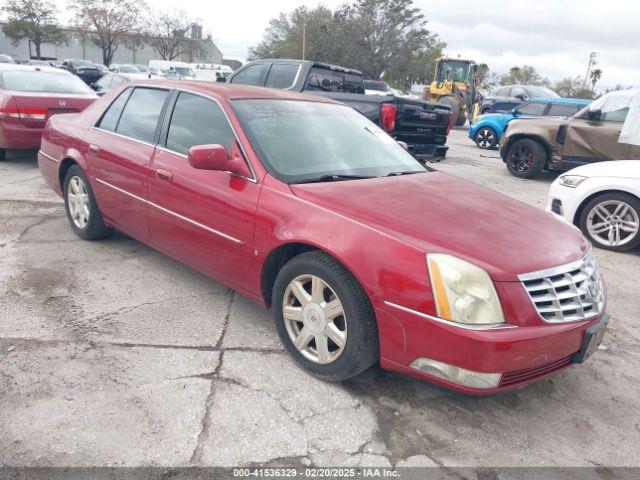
{"points": [[305, 206], [29, 95]]}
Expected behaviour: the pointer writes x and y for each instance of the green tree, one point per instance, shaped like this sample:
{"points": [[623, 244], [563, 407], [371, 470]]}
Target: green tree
{"points": [[572, 88], [108, 23], [523, 75], [34, 20], [379, 37]]}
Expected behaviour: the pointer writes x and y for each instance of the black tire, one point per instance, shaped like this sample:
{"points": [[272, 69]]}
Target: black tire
{"points": [[608, 201], [361, 347], [486, 138], [3, 154], [486, 111], [526, 158], [94, 228], [455, 107], [460, 121]]}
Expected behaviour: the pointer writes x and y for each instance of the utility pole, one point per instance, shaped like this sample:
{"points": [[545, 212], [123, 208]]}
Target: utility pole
{"points": [[592, 63], [304, 37]]}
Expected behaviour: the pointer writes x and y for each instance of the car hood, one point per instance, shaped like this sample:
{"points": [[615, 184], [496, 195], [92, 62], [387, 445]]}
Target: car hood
{"points": [[618, 168], [440, 213]]}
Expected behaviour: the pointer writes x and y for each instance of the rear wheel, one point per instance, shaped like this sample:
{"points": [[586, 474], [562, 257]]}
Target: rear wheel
{"points": [[526, 158], [82, 209], [324, 318], [454, 105], [486, 138], [612, 221]]}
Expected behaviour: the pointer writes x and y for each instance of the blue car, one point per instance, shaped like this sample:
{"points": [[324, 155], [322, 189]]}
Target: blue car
{"points": [[487, 130]]}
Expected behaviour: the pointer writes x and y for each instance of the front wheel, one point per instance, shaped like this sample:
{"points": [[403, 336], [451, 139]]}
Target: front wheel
{"points": [[612, 221], [526, 158], [82, 209], [324, 317], [486, 138]]}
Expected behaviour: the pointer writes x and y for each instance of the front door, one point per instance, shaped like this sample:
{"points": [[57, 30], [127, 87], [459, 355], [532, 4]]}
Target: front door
{"points": [[596, 139], [204, 218], [120, 149]]}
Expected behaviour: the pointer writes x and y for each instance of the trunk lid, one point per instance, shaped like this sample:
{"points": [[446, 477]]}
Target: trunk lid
{"points": [[34, 109], [420, 116]]}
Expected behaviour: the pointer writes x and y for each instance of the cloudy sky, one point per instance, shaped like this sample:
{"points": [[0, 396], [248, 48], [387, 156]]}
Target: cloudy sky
{"points": [[555, 36]]}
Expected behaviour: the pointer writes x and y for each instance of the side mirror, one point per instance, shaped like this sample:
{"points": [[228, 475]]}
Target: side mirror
{"points": [[216, 157], [594, 114], [521, 97], [221, 79]]}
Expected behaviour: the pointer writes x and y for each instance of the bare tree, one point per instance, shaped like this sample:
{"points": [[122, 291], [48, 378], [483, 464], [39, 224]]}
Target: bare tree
{"points": [[33, 20], [169, 34], [108, 23]]}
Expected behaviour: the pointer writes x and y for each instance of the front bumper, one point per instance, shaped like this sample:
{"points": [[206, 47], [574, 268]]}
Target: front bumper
{"points": [[522, 354], [564, 201], [18, 136]]}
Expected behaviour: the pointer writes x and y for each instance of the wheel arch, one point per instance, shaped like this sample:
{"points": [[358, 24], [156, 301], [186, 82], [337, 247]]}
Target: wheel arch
{"points": [[70, 158], [576, 216], [280, 255], [530, 136]]}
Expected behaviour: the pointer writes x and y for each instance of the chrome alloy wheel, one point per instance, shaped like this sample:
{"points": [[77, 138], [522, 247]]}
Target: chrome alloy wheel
{"points": [[613, 223], [485, 138], [314, 319], [78, 202]]}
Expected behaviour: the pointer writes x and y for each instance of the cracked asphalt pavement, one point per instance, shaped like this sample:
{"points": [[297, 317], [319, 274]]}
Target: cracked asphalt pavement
{"points": [[113, 354]]}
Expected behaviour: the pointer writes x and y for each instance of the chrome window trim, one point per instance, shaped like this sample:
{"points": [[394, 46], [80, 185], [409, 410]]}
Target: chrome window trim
{"points": [[123, 136], [171, 212], [499, 326], [48, 157], [253, 178]]}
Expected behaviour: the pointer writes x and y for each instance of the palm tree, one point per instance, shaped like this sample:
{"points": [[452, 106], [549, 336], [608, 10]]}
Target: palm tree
{"points": [[595, 76]]}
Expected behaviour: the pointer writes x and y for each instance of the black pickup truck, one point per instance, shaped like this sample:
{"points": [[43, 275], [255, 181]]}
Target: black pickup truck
{"points": [[422, 125]]}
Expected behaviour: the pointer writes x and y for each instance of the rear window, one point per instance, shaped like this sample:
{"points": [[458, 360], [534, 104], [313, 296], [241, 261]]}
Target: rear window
{"points": [[34, 81]]}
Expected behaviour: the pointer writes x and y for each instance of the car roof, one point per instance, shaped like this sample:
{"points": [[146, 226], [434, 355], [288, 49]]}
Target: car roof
{"points": [[32, 68], [235, 92], [568, 101]]}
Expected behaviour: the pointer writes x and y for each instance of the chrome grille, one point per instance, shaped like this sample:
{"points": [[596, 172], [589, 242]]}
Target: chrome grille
{"points": [[567, 293]]}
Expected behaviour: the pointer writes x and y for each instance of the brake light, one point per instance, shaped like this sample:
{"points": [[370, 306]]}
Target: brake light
{"points": [[388, 116], [450, 124], [24, 114]]}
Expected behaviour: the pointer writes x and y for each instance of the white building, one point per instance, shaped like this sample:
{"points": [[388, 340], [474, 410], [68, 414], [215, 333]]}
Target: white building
{"points": [[79, 47]]}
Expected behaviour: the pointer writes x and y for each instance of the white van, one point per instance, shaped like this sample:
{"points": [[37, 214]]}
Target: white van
{"points": [[211, 72], [170, 69]]}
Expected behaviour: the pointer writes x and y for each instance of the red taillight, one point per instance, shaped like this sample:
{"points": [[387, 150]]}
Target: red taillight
{"points": [[24, 113], [388, 116], [450, 124]]}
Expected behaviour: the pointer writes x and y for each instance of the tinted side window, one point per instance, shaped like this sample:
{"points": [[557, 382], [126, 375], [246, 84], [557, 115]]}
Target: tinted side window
{"points": [[515, 91], [534, 108], [615, 115], [325, 80], [140, 116], [110, 118], [353, 83], [198, 121], [281, 75], [560, 110], [252, 75]]}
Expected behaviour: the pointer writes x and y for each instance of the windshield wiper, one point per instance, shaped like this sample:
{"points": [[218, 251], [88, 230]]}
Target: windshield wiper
{"points": [[334, 177], [395, 174]]}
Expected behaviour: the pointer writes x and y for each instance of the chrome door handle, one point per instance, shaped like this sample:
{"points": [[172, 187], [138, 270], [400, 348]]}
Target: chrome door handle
{"points": [[164, 175]]}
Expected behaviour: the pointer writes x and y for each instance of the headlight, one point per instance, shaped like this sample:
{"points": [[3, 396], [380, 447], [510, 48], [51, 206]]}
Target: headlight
{"points": [[571, 181], [463, 292]]}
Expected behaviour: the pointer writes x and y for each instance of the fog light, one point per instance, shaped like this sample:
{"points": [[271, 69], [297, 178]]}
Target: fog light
{"points": [[457, 375]]}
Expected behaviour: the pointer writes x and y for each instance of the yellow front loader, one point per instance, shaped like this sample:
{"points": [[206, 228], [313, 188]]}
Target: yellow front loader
{"points": [[456, 84]]}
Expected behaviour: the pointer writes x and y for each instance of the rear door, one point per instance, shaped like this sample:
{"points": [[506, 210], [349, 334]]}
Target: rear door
{"points": [[120, 148], [204, 218], [592, 140], [502, 102]]}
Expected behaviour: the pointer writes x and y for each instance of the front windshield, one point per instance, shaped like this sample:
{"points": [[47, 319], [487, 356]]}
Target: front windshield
{"points": [[301, 141], [541, 92], [128, 69], [81, 63], [453, 71]]}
